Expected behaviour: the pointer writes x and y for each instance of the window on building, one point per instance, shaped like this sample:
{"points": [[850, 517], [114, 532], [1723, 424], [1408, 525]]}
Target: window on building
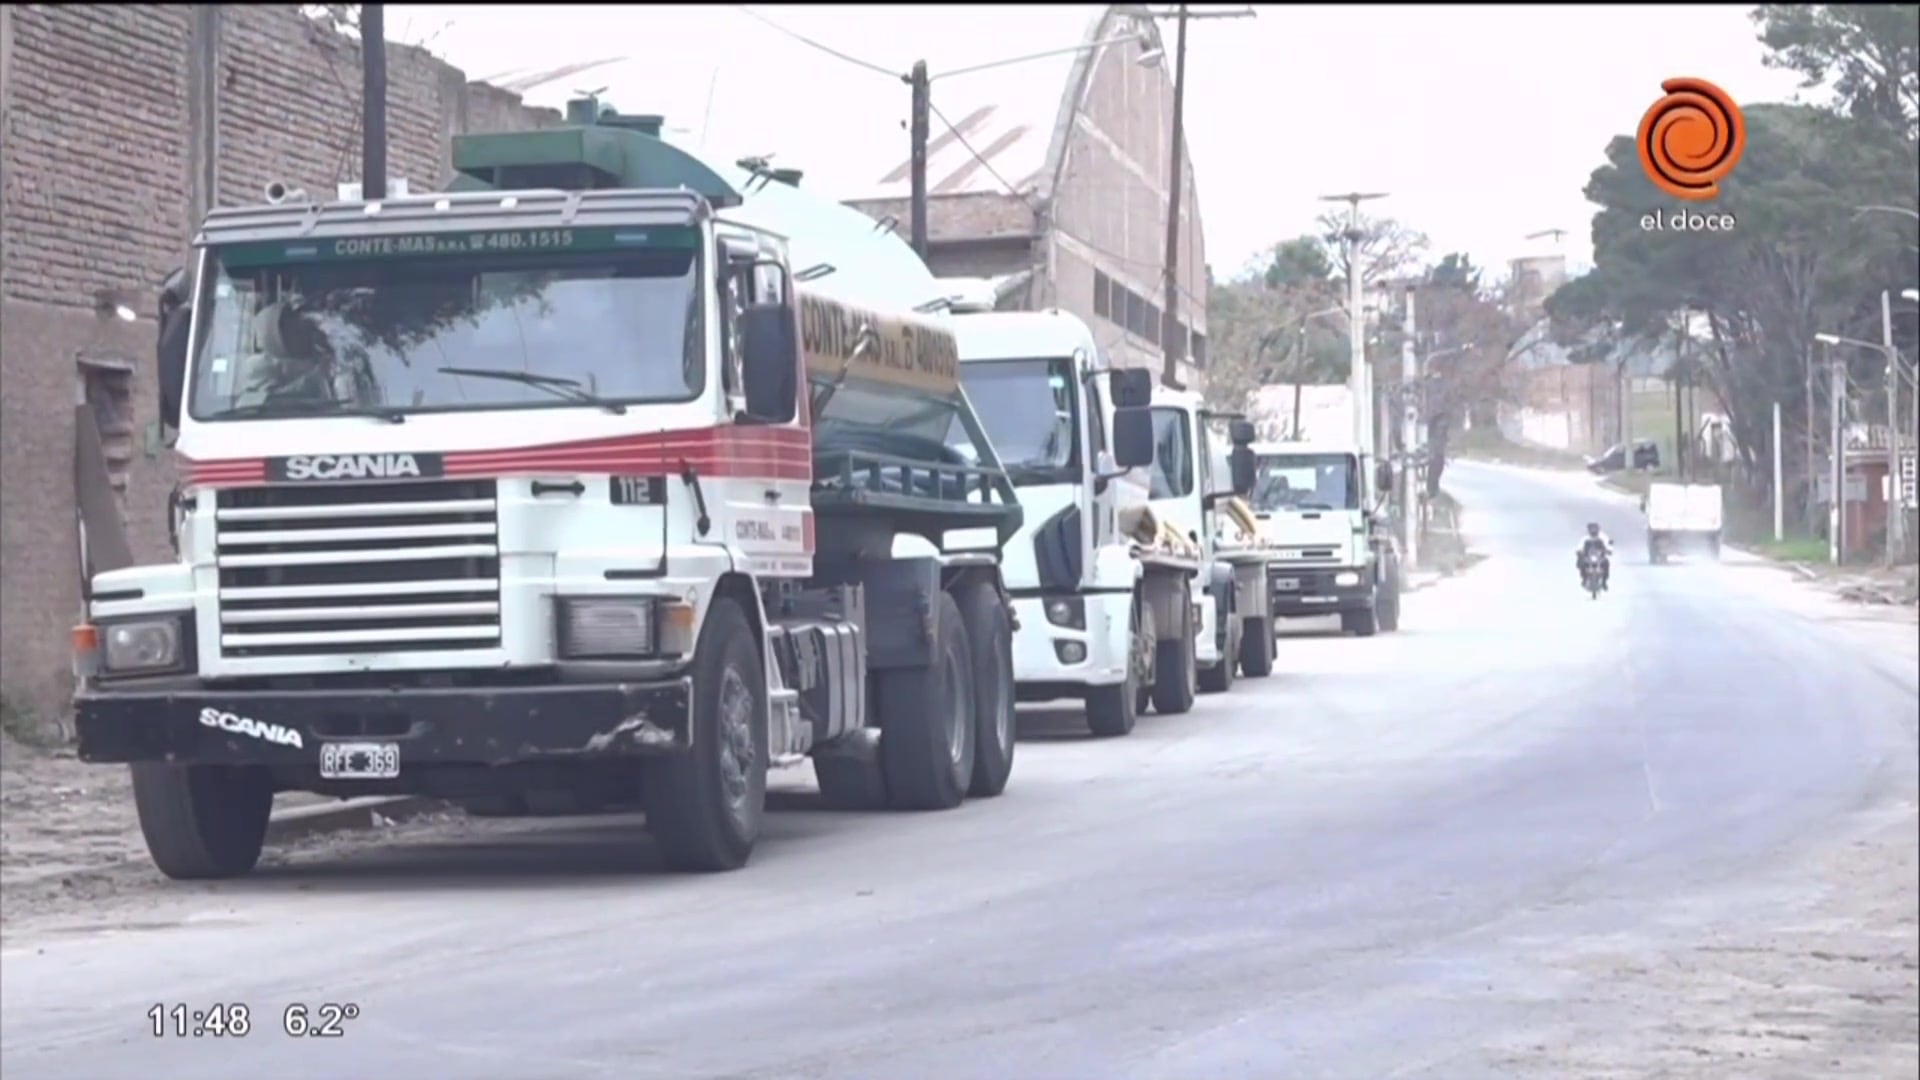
{"points": [[1136, 313], [1199, 350], [1102, 294], [1153, 322], [1117, 310], [1180, 335]]}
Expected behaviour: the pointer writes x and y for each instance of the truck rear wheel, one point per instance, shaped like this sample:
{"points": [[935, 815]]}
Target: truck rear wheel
{"points": [[990, 636], [1113, 710], [202, 821], [1388, 604], [1218, 679], [1174, 668], [928, 721], [1256, 649], [704, 806]]}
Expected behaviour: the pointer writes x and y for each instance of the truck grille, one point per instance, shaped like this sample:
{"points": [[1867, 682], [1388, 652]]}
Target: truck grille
{"points": [[353, 568]]}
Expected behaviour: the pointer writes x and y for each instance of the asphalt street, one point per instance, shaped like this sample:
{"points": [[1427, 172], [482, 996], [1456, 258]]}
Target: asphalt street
{"points": [[1371, 864]]}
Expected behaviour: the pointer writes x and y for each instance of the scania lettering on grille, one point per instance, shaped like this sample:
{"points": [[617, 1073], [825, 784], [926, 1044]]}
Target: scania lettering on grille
{"points": [[309, 467]]}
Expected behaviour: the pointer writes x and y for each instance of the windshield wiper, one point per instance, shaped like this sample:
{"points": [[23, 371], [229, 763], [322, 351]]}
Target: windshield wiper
{"points": [[303, 407], [558, 385]]}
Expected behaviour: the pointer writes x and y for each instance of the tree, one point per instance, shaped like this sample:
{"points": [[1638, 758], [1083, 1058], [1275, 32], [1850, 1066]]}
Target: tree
{"points": [[1869, 54], [1464, 334], [1800, 259], [1298, 263], [1387, 249]]}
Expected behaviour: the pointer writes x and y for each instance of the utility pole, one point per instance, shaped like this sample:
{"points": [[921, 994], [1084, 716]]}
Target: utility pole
{"points": [[1359, 380], [1174, 341], [917, 161], [1837, 504], [1813, 484], [1679, 399], [1410, 384], [373, 102], [1896, 514]]}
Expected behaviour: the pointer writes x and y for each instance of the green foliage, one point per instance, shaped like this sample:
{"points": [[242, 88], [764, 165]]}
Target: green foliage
{"points": [[1868, 54], [1803, 258], [1299, 263]]}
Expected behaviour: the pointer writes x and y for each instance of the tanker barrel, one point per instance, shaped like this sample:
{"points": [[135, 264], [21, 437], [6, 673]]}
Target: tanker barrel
{"points": [[893, 432]]}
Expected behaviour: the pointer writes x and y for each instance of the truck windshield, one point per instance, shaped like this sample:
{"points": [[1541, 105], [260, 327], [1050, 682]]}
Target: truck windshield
{"points": [[517, 326], [1027, 408], [1304, 482]]}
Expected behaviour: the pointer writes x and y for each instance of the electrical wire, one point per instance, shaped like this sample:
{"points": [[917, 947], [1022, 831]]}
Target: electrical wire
{"points": [[816, 45]]}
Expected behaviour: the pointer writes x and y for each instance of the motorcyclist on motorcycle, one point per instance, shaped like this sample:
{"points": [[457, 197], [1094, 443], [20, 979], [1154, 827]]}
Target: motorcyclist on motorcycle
{"points": [[1600, 544]]}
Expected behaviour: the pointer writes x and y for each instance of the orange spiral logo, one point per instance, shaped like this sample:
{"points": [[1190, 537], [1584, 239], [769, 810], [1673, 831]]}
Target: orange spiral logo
{"points": [[1691, 139]]}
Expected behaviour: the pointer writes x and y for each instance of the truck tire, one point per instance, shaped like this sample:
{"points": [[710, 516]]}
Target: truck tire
{"points": [[1174, 669], [1362, 623], [1218, 679], [928, 721], [1654, 554], [704, 806], [1713, 547], [1257, 649], [202, 822], [1113, 710], [990, 636], [1387, 606]]}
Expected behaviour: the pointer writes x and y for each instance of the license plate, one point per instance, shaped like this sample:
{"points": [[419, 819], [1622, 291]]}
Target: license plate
{"points": [[1287, 584], [359, 760]]}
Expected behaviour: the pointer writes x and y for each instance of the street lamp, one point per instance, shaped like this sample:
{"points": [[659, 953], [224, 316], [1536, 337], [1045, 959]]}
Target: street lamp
{"points": [[1895, 520]]}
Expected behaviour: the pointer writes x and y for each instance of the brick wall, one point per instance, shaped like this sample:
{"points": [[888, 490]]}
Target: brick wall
{"points": [[116, 121]]}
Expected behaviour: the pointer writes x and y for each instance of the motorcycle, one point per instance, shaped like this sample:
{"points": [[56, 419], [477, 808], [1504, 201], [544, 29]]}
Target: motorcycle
{"points": [[1590, 579]]}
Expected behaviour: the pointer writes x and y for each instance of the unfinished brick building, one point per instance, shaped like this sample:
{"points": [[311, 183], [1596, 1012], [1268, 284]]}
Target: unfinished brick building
{"points": [[1053, 179], [119, 126]]}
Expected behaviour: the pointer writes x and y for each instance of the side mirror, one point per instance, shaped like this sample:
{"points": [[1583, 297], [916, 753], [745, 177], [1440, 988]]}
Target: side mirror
{"points": [[1130, 388], [770, 363], [1241, 433], [1241, 465], [1132, 436], [1383, 478]]}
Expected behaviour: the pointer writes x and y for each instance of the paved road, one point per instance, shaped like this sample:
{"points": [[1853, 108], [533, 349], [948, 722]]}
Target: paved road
{"points": [[1322, 875]]}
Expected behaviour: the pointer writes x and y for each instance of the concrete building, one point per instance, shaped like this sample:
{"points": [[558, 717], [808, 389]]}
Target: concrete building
{"points": [[1053, 180], [122, 124]]}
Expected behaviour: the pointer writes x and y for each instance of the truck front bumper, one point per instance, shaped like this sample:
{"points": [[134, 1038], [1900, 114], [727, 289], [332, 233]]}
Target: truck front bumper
{"points": [[474, 726], [1302, 593]]}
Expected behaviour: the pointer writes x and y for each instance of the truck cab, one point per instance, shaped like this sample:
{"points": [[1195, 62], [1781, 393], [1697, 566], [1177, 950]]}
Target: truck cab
{"points": [[1333, 554], [1104, 614], [1192, 473]]}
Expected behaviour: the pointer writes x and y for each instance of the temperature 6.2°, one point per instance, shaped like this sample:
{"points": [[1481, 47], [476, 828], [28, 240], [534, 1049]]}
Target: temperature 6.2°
{"points": [[325, 1021]]}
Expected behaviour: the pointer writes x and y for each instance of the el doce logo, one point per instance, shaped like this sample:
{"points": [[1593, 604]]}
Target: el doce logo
{"points": [[1691, 139]]}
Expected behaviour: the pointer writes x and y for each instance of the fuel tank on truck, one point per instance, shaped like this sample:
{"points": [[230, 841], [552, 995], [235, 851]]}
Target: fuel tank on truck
{"points": [[884, 377]]}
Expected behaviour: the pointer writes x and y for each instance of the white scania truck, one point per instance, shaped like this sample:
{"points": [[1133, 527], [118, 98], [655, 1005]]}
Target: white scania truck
{"points": [[1334, 552], [555, 481], [1106, 596]]}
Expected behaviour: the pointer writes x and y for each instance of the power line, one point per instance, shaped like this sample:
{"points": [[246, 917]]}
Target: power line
{"points": [[812, 44]]}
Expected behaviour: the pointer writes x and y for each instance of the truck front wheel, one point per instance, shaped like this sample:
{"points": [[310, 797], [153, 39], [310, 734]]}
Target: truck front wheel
{"points": [[990, 635], [704, 806], [1174, 667], [202, 821], [928, 722], [1113, 710], [1256, 649]]}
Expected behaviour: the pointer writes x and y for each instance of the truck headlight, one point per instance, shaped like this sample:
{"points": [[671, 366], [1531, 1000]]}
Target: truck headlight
{"points": [[132, 646], [1067, 611], [1346, 579], [613, 628]]}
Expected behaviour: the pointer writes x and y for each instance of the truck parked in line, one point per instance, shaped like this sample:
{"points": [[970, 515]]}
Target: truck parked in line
{"points": [[1335, 553], [1233, 620], [577, 477], [1682, 517], [1102, 594]]}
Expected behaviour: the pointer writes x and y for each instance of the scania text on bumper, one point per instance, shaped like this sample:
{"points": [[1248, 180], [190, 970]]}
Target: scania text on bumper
{"points": [[374, 735]]}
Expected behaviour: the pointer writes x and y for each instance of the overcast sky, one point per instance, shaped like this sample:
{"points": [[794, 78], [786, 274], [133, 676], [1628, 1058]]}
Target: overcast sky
{"points": [[1482, 122]]}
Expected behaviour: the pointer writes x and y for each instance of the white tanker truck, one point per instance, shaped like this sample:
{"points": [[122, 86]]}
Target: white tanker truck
{"points": [[578, 477]]}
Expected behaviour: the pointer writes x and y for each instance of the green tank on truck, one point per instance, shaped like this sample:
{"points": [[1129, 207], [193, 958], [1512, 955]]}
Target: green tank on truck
{"points": [[559, 485]]}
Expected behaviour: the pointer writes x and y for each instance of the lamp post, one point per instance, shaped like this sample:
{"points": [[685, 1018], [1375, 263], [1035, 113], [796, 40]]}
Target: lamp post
{"points": [[1896, 518]]}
